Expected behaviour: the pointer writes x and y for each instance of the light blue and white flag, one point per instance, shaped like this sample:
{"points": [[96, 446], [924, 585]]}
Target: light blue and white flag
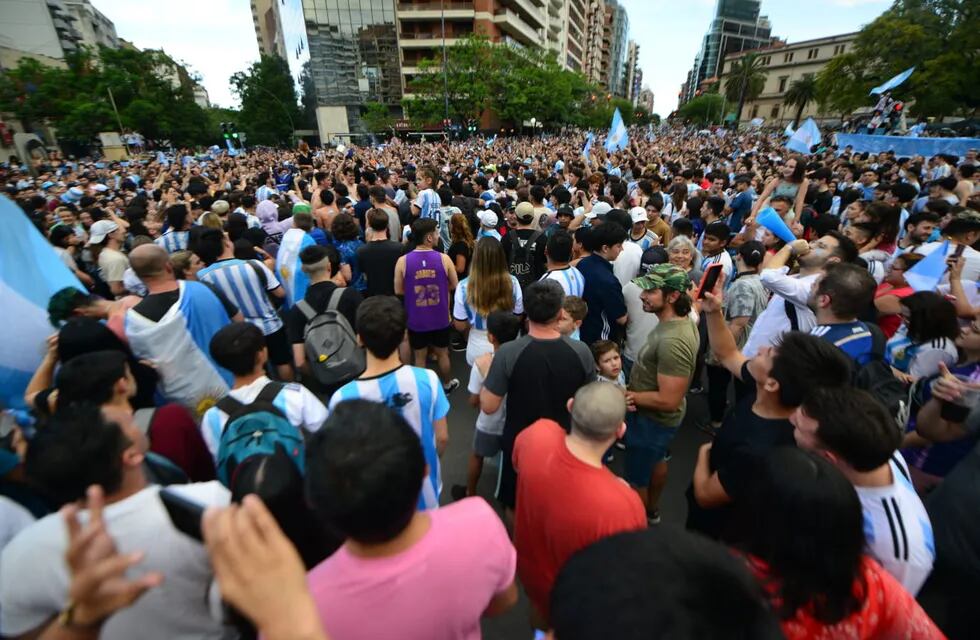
{"points": [[805, 137], [788, 131], [288, 266], [618, 137], [162, 158], [490, 141], [894, 82], [927, 273], [651, 136], [30, 273], [588, 147]]}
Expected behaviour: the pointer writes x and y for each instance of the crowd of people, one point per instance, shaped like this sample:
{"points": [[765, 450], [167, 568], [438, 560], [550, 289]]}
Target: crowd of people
{"points": [[269, 338]]}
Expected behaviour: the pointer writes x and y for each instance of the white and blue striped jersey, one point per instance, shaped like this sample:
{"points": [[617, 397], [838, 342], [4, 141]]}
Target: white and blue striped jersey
{"points": [[646, 241], [240, 282], [173, 241], [428, 202], [263, 193], [417, 395], [570, 279], [463, 311]]}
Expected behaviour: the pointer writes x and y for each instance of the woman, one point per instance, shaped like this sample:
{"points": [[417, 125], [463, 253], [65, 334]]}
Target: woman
{"points": [[66, 244], [927, 337], [804, 540], [186, 265], [345, 239], [490, 287], [867, 237], [461, 244], [681, 252], [211, 220], [791, 183], [891, 291], [853, 206]]}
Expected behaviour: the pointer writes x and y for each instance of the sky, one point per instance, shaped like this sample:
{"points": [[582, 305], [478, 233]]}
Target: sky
{"points": [[216, 38]]}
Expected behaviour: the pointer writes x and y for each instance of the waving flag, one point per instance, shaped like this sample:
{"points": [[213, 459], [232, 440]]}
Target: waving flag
{"points": [[651, 136], [30, 273], [788, 131], [288, 266], [805, 137], [490, 141], [894, 82], [927, 273], [588, 147], [617, 138]]}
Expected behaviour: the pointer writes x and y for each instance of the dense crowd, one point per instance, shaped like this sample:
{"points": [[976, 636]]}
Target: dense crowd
{"points": [[269, 336]]}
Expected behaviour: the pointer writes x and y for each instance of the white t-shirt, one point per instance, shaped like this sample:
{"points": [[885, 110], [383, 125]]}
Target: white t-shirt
{"points": [[112, 265], [627, 265], [773, 322], [639, 323], [727, 267], [492, 423], [897, 528], [34, 579], [66, 258], [13, 518], [971, 270]]}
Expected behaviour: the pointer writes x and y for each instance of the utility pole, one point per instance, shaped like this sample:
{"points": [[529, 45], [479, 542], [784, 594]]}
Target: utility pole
{"points": [[445, 70], [115, 110]]}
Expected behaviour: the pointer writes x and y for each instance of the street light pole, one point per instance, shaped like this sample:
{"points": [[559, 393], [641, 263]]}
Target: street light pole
{"points": [[445, 71]]}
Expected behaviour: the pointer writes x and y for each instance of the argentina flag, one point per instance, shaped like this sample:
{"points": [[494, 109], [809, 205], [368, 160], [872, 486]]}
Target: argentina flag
{"points": [[30, 273], [588, 147], [288, 267], [805, 137], [617, 138]]}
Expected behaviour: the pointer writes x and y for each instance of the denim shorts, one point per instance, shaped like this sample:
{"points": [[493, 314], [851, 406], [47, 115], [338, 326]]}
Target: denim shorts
{"points": [[647, 443]]}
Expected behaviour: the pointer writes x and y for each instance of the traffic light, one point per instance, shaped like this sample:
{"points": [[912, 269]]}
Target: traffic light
{"points": [[225, 130]]}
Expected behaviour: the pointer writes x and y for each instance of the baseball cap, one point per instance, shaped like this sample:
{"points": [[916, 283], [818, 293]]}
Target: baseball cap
{"points": [[524, 212], [638, 214], [601, 209], [664, 276], [565, 210], [487, 218], [100, 230], [220, 207]]}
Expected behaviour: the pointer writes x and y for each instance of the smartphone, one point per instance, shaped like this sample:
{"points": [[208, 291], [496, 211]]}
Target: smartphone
{"points": [[185, 514], [709, 279]]}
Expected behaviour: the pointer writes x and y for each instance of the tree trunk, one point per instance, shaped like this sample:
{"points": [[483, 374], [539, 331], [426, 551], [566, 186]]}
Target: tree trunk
{"points": [[741, 103], [799, 114]]}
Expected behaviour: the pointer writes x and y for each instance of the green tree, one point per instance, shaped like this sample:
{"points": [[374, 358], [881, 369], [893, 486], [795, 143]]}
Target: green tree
{"points": [[705, 109], [269, 110], [801, 93], [745, 81], [377, 118], [464, 87]]}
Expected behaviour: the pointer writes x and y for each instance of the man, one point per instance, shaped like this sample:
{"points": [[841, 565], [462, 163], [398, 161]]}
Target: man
{"points": [[542, 214], [626, 266], [658, 382], [365, 468], [241, 348], [777, 378], [782, 205], [655, 221], [896, 526], [787, 309], [247, 283], [639, 232], [379, 201], [363, 203], [172, 327], [379, 255], [962, 232], [867, 183], [525, 246], [558, 253], [414, 392], [602, 292], [918, 230], [537, 373], [714, 242], [106, 449], [839, 296], [741, 204], [179, 219], [566, 498], [288, 269], [109, 237], [426, 279]]}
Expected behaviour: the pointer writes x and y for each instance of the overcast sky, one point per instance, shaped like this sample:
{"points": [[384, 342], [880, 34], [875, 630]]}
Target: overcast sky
{"points": [[216, 38]]}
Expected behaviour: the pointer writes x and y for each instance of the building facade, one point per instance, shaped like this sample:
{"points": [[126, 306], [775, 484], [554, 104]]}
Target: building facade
{"points": [[633, 77], [783, 64], [645, 99], [594, 44], [268, 32], [93, 27], [614, 55], [38, 27]]}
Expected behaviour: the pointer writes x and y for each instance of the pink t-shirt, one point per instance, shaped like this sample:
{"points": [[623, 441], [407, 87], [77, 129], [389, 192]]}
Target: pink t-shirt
{"points": [[438, 589]]}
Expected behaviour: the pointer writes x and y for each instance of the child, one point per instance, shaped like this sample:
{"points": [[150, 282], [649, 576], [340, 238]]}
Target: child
{"points": [[608, 362], [640, 234], [573, 312], [502, 327], [488, 225]]}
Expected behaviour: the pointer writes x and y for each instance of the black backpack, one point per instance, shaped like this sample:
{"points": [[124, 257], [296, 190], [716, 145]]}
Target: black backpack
{"points": [[331, 346], [875, 376], [521, 261]]}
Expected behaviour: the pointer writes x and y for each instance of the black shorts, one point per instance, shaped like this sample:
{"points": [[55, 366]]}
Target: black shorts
{"points": [[419, 340], [280, 351]]}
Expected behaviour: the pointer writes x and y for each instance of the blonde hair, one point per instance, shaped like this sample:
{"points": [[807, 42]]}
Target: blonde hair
{"points": [[490, 288], [212, 221], [459, 231]]}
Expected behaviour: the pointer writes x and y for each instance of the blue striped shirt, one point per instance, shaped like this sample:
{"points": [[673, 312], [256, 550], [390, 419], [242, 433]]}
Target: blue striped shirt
{"points": [[428, 203], [417, 395], [570, 279], [463, 311], [240, 283], [173, 241]]}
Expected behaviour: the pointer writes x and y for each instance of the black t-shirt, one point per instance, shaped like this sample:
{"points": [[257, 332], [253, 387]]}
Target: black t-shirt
{"points": [[538, 261], [361, 207], [318, 295], [460, 249], [156, 305], [743, 440], [377, 261], [823, 201]]}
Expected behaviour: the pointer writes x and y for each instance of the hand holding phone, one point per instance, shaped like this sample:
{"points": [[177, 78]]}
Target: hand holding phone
{"points": [[709, 280]]}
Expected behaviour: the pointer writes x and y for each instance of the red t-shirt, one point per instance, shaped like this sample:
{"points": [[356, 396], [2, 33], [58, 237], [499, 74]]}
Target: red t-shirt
{"points": [[890, 323], [563, 505]]}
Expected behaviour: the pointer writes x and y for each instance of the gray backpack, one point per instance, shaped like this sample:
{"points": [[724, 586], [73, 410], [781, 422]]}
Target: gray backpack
{"points": [[331, 347]]}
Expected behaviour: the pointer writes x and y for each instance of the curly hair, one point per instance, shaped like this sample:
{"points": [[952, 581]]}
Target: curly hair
{"points": [[343, 227]]}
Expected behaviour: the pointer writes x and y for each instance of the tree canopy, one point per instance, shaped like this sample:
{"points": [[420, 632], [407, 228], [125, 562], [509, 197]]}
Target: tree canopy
{"points": [[745, 82], [801, 93], [705, 109], [270, 108]]}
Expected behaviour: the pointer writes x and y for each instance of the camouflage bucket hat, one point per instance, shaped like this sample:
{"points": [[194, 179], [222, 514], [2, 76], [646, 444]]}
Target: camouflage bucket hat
{"points": [[664, 276]]}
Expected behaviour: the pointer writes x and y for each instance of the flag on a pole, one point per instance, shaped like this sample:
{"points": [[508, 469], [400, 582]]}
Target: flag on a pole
{"points": [[617, 138], [588, 147], [805, 137], [894, 82], [927, 273], [788, 131]]}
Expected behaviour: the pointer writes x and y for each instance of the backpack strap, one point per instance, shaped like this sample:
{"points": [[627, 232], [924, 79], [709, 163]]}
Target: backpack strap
{"points": [[260, 272], [229, 405], [534, 238], [305, 308], [791, 313], [144, 418], [334, 300], [269, 392]]}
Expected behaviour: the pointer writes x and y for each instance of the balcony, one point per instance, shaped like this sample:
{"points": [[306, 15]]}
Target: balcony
{"points": [[427, 40], [427, 11], [512, 24], [531, 14]]}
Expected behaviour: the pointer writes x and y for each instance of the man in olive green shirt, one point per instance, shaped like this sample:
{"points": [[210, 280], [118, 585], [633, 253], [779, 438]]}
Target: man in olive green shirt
{"points": [[659, 381]]}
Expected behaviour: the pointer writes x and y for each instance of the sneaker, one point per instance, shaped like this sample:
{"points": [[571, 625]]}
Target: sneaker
{"points": [[451, 386], [653, 518], [458, 492]]}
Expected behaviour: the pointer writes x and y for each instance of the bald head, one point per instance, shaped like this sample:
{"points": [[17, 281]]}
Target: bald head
{"points": [[598, 411], [149, 261]]}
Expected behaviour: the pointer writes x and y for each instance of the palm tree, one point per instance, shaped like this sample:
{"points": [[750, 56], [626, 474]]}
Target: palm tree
{"points": [[745, 81], [799, 94]]}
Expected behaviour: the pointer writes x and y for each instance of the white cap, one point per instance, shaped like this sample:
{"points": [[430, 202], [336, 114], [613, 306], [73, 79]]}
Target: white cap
{"points": [[100, 230], [638, 214], [487, 218], [99, 187], [601, 208]]}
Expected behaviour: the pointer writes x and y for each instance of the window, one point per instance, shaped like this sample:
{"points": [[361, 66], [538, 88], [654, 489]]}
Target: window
{"points": [[839, 49], [787, 57], [767, 60], [782, 83], [812, 53], [775, 111], [755, 111]]}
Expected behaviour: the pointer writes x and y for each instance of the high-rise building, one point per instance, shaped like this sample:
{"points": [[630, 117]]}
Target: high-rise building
{"points": [[565, 33], [737, 26], [95, 29], [645, 99], [38, 27], [594, 43], [268, 33], [632, 76], [616, 29]]}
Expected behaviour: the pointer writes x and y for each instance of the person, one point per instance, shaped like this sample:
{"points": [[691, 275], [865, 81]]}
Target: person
{"points": [[558, 253], [926, 338], [655, 220], [241, 349], [379, 201], [249, 284], [962, 232], [740, 205], [776, 380], [365, 469], [378, 255], [414, 392], [658, 382], [682, 253], [344, 232], [639, 324], [867, 237], [893, 289], [292, 242], [179, 220], [426, 205], [791, 183], [488, 225], [461, 244], [106, 449], [602, 292], [66, 244], [918, 228], [639, 232], [426, 279], [898, 531], [502, 327], [608, 363], [566, 498], [745, 300], [841, 294], [107, 238], [536, 374], [525, 245], [172, 327], [490, 287], [805, 542], [573, 311], [714, 245]]}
